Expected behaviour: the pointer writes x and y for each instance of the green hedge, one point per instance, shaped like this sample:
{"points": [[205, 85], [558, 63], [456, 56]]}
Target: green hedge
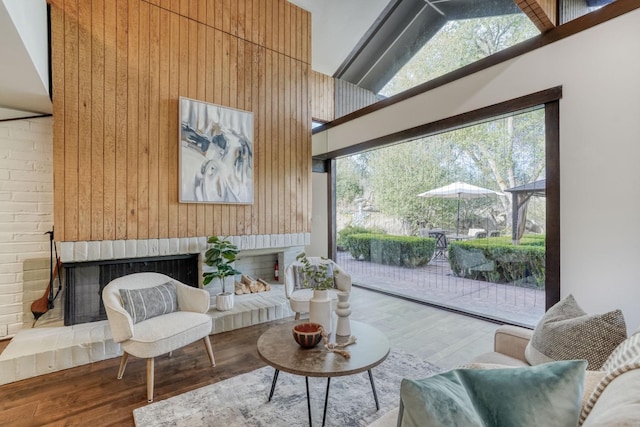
{"points": [[343, 234], [510, 262], [402, 251]]}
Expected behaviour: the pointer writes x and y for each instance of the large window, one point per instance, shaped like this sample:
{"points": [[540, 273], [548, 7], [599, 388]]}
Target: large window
{"points": [[483, 255], [459, 43]]}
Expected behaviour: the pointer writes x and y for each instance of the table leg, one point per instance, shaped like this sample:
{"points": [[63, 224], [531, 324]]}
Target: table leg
{"points": [[306, 380], [373, 387], [273, 383], [326, 400]]}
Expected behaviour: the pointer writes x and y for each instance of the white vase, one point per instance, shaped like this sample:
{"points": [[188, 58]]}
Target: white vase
{"points": [[343, 326], [224, 301], [320, 309]]}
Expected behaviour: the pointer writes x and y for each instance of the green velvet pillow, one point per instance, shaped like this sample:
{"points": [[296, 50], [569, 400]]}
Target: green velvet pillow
{"points": [[544, 395]]}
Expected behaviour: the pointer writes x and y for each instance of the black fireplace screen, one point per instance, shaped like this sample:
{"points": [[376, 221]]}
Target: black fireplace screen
{"points": [[84, 281]]}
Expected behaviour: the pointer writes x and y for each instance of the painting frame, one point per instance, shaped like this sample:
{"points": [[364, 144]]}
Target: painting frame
{"points": [[216, 153]]}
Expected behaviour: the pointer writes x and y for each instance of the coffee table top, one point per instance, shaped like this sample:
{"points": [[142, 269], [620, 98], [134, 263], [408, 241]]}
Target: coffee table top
{"points": [[278, 348]]}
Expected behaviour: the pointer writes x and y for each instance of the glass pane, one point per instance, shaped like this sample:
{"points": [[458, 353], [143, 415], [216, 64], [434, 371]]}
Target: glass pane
{"points": [[432, 218], [459, 43]]}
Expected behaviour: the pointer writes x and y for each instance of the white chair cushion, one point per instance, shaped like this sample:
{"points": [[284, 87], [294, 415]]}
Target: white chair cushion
{"points": [[162, 334]]}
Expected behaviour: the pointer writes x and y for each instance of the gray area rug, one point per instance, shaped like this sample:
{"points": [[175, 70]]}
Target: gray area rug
{"points": [[242, 400]]}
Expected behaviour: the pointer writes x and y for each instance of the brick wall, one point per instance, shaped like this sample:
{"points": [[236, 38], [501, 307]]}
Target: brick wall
{"points": [[26, 213]]}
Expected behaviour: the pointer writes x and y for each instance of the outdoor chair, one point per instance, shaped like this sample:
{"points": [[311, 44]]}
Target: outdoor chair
{"points": [[441, 244], [299, 296], [151, 314]]}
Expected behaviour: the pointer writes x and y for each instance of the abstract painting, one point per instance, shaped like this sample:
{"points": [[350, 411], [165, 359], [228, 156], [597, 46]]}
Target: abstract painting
{"points": [[216, 153]]}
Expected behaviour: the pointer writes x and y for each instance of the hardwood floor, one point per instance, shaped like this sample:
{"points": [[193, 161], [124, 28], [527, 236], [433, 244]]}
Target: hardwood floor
{"points": [[91, 394]]}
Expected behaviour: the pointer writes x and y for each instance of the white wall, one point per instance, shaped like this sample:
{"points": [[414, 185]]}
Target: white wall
{"points": [[26, 213], [319, 231], [599, 70]]}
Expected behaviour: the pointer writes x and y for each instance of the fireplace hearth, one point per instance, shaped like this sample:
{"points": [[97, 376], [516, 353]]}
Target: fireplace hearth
{"points": [[84, 281]]}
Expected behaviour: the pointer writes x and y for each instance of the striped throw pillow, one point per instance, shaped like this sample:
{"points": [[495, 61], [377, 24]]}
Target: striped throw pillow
{"points": [[146, 303], [623, 359]]}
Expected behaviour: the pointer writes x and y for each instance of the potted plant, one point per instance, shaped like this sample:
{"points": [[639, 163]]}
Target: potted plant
{"points": [[319, 277], [221, 255]]}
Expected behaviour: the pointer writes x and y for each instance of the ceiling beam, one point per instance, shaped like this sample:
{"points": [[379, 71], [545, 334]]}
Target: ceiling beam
{"points": [[543, 13]]}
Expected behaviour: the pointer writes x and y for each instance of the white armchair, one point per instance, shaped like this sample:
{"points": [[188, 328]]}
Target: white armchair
{"points": [[161, 334], [299, 297]]}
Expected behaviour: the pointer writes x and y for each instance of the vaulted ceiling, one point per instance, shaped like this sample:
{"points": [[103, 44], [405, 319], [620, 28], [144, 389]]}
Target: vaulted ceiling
{"points": [[24, 68]]}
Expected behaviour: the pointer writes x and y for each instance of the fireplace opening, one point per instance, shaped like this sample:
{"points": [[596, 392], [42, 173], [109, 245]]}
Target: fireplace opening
{"points": [[84, 281]]}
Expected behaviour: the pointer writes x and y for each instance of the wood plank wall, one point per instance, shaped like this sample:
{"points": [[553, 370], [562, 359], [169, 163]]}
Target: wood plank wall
{"points": [[350, 98], [119, 67], [322, 93]]}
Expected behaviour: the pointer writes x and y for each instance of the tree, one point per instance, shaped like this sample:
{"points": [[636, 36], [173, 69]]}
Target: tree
{"points": [[460, 43]]}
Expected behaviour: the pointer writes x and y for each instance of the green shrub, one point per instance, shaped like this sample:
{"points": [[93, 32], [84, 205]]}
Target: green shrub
{"points": [[341, 241], [511, 262], [402, 251]]}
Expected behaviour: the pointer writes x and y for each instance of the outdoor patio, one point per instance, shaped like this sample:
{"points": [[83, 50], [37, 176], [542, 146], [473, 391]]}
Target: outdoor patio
{"points": [[435, 283]]}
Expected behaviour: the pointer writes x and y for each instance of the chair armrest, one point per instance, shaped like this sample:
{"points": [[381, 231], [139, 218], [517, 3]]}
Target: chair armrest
{"points": [[120, 321], [289, 281], [343, 280], [192, 299], [512, 341]]}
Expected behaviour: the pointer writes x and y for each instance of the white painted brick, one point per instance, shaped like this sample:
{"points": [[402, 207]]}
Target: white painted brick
{"points": [[10, 267], [8, 278], [30, 176], [183, 245], [19, 247], [154, 249], [66, 251], [41, 125], [131, 247], [17, 164], [32, 196], [80, 251], [119, 249], [5, 184], [142, 248], [106, 249], [202, 243], [252, 242], [11, 206], [25, 366], [163, 247], [193, 245], [93, 251], [7, 369], [174, 245]]}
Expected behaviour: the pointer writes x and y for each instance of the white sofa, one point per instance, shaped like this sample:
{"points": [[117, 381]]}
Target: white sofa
{"points": [[618, 406]]}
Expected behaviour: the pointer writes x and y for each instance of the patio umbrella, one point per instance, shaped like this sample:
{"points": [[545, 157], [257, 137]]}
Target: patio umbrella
{"points": [[460, 190]]}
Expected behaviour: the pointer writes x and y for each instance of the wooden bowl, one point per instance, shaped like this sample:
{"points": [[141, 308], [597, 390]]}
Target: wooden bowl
{"points": [[308, 334]]}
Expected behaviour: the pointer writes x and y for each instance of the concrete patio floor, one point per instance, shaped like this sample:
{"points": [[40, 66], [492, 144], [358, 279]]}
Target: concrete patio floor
{"points": [[435, 283]]}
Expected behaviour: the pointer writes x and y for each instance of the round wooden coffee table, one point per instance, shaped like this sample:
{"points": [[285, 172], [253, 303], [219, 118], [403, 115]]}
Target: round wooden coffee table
{"points": [[279, 350]]}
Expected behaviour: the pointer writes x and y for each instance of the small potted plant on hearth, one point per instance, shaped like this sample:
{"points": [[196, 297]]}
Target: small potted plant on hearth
{"points": [[221, 255]]}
